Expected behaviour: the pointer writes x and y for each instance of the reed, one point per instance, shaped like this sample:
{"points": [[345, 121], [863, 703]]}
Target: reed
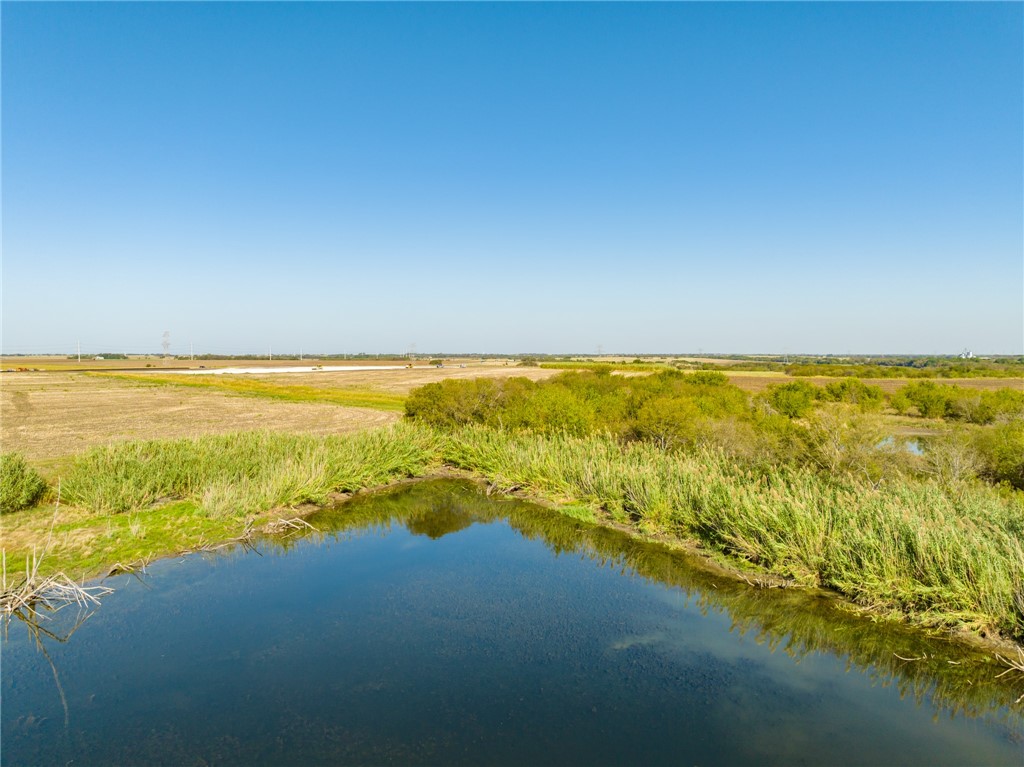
{"points": [[912, 548]]}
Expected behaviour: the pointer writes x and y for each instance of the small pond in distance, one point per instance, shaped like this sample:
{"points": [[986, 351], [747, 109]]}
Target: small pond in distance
{"points": [[433, 625]]}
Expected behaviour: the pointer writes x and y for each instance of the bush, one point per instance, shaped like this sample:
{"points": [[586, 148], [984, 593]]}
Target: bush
{"points": [[452, 402], [929, 398], [1001, 451], [668, 423], [20, 484], [853, 391], [793, 400]]}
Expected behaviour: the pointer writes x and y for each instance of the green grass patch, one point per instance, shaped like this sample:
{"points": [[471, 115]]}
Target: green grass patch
{"points": [[20, 484], [367, 398]]}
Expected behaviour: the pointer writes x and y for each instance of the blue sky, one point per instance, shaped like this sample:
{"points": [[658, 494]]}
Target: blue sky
{"points": [[820, 178]]}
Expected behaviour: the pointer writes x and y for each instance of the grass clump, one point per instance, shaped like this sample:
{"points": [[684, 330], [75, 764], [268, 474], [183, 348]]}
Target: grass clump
{"points": [[20, 484]]}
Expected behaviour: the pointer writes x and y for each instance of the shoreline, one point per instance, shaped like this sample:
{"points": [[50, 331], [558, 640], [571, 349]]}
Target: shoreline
{"points": [[698, 555]]}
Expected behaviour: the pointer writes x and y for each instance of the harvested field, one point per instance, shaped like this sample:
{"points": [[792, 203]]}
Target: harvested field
{"points": [[401, 381], [157, 363], [46, 415], [49, 415]]}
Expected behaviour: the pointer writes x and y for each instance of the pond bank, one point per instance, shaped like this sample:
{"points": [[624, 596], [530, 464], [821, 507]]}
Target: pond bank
{"points": [[437, 623], [955, 569]]}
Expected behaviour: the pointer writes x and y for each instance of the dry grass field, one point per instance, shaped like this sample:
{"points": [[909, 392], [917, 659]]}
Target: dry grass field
{"points": [[47, 415], [157, 363], [402, 381]]}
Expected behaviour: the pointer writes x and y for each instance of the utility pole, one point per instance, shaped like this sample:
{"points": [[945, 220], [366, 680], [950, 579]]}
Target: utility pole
{"points": [[271, 350], [300, 354], [79, 352], [191, 351]]}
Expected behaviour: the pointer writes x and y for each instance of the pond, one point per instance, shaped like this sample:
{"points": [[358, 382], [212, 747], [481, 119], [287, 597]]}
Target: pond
{"points": [[432, 624]]}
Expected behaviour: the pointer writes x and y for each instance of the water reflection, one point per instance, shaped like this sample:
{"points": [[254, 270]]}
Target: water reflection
{"points": [[950, 675], [433, 624]]}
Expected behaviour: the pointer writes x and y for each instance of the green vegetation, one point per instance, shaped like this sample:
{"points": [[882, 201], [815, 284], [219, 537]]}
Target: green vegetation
{"points": [[835, 428], [244, 473], [806, 483], [20, 484], [913, 367], [290, 393], [135, 500], [936, 557], [959, 404], [935, 552]]}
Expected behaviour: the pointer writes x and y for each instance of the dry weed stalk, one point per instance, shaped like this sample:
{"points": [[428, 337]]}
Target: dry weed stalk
{"points": [[52, 592], [1013, 664]]}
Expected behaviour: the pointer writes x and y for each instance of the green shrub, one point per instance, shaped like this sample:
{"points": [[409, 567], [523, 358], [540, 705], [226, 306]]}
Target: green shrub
{"points": [[793, 400], [853, 391], [668, 423], [929, 398], [452, 402], [1001, 451], [20, 484]]}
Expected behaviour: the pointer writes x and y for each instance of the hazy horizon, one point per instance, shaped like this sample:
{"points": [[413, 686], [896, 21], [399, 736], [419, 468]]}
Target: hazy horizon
{"points": [[799, 178]]}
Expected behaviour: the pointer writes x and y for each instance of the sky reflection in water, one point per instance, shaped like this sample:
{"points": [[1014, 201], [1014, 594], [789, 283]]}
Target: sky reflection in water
{"points": [[434, 625]]}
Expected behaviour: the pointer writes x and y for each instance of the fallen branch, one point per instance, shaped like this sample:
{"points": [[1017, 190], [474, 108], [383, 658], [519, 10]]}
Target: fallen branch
{"points": [[287, 525]]}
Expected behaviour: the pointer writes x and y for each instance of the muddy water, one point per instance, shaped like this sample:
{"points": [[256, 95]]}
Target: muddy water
{"points": [[433, 625]]}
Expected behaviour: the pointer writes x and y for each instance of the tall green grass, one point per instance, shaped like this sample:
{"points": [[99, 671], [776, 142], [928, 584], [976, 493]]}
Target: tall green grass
{"points": [[938, 556], [942, 558], [246, 472]]}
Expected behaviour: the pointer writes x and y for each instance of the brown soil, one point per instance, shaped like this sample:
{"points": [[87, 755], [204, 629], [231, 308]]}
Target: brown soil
{"points": [[48, 415]]}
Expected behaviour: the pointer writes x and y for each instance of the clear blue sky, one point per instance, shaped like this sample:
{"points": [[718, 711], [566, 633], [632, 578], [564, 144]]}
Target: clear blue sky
{"points": [[513, 177]]}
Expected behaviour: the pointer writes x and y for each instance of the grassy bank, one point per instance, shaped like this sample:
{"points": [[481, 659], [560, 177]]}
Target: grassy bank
{"points": [[137, 500], [934, 556], [289, 393]]}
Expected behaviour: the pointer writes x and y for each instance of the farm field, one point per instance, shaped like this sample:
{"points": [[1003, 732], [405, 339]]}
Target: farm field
{"points": [[157, 363], [403, 381], [46, 415]]}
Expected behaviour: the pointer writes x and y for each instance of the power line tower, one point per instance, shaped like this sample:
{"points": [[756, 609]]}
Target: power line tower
{"points": [[166, 343]]}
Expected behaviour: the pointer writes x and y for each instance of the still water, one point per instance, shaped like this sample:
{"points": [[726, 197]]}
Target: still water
{"points": [[434, 625]]}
